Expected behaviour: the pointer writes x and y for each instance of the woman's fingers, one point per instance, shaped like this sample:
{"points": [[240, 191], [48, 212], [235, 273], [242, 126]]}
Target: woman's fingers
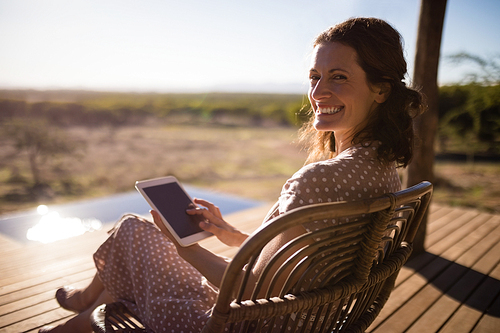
{"points": [[157, 219], [210, 206], [215, 224], [199, 211], [210, 227], [207, 214]]}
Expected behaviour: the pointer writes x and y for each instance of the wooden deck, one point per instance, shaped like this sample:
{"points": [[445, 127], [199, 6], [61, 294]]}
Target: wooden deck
{"points": [[454, 287]]}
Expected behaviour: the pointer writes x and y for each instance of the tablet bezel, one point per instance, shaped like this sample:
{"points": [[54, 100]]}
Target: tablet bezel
{"points": [[143, 184]]}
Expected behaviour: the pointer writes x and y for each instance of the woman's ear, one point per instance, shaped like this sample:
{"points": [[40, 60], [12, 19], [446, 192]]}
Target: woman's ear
{"points": [[383, 91]]}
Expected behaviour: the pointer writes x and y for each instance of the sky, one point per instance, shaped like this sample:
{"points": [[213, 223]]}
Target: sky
{"points": [[200, 45]]}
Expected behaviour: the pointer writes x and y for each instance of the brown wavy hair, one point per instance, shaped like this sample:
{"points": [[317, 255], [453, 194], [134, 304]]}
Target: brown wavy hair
{"points": [[380, 54]]}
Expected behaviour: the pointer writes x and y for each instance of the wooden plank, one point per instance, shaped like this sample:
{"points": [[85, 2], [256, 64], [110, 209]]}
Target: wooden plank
{"points": [[36, 260], [32, 295], [29, 280], [35, 322], [479, 228], [439, 217], [443, 306], [465, 245], [53, 323], [438, 313], [466, 317], [492, 257], [483, 245], [456, 234], [405, 291], [8, 244], [409, 300], [435, 211], [406, 315], [413, 266], [19, 316], [490, 322]]}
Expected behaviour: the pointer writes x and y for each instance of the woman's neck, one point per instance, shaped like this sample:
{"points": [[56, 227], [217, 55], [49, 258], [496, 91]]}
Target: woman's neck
{"points": [[342, 143]]}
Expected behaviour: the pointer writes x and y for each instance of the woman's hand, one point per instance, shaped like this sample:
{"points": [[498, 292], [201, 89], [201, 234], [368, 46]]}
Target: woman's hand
{"points": [[214, 223], [159, 223]]}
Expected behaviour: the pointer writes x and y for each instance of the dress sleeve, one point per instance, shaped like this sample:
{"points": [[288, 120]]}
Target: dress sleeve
{"points": [[302, 189], [310, 185]]}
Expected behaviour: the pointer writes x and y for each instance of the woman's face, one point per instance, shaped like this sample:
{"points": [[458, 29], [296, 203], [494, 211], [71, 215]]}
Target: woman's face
{"points": [[339, 92]]}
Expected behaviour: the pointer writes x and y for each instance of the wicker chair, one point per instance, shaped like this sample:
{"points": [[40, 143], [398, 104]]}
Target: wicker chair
{"points": [[338, 280]]}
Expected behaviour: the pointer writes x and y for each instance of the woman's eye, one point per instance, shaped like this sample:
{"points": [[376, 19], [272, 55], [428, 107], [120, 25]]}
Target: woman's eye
{"points": [[339, 77], [313, 79]]}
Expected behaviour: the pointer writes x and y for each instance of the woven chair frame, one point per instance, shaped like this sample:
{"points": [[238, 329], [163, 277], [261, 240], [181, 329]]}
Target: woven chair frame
{"points": [[339, 278]]}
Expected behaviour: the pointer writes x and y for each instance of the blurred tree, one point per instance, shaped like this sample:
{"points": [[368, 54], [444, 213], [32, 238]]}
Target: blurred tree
{"points": [[11, 108], [470, 118], [488, 73], [430, 27], [39, 140]]}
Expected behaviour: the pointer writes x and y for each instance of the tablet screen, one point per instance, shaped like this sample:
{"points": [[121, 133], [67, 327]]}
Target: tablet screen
{"points": [[172, 202]]}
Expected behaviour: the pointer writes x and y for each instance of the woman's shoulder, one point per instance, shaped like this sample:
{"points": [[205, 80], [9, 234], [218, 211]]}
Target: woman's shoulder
{"points": [[353, 174], [358, 156], [358, 159]]}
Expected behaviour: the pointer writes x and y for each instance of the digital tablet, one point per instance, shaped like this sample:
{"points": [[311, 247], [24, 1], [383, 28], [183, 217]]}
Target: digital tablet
{"points": [[167, 196]]}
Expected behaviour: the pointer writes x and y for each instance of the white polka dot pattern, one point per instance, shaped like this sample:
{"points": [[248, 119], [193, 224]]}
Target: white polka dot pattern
{"points": [[140, 267], [354, 174]]}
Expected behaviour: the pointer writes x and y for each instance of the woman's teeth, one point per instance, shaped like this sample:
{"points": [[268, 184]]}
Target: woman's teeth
{"points": [[330, 110]]}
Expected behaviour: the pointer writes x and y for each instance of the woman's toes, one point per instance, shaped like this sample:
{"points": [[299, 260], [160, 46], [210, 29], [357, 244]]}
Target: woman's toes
{"points": [[71, 299]]}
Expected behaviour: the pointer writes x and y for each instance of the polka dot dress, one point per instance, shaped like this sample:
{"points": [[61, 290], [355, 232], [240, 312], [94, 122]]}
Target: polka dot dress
{"points": [[354, 174], [140, 267]]}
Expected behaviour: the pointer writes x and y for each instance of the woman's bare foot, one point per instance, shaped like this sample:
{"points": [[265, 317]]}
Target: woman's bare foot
{"points": [[72, 299], [79, 300], [81, 322]]}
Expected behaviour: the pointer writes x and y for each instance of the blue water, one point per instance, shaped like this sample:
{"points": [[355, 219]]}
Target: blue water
{"points": [[109, 209]]}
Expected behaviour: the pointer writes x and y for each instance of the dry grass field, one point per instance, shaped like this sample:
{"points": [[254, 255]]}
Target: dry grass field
{"points": [[247, 161], [251, 162], [474, 185]]}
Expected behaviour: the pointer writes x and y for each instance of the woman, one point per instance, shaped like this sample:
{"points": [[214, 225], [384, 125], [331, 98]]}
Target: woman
{"points": [[360, 132]]}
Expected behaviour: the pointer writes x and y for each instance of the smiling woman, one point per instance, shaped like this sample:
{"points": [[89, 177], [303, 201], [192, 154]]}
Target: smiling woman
{"points": [[358, 94], [340, 95], [172, 287]]}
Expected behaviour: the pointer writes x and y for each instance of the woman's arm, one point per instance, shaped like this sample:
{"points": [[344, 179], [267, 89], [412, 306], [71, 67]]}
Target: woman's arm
{"points": [[207, 263], [233, 237], [213, 266]]}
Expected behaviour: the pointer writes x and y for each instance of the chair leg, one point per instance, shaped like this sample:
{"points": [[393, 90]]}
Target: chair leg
{"points": [[115, 317], [97, 319]]}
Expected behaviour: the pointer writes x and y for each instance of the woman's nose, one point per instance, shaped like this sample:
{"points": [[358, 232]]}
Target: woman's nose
{"points": [[320, 91]]}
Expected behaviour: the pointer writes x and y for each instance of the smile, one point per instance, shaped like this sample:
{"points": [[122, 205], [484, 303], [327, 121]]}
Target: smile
{"points": [[330, 110]]}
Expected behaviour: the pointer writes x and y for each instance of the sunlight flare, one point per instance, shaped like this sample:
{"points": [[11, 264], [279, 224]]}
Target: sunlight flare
{"points": [[52, 227]]}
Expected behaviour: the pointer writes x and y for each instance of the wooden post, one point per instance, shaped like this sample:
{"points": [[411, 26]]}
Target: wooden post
{"points": [[430, 27]]}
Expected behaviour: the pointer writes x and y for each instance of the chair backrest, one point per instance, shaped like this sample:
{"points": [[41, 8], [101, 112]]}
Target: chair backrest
{"points": [[339, 278]]}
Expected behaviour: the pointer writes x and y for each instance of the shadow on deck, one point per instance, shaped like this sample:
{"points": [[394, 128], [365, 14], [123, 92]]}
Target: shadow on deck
{"points": [[464, 285]]}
